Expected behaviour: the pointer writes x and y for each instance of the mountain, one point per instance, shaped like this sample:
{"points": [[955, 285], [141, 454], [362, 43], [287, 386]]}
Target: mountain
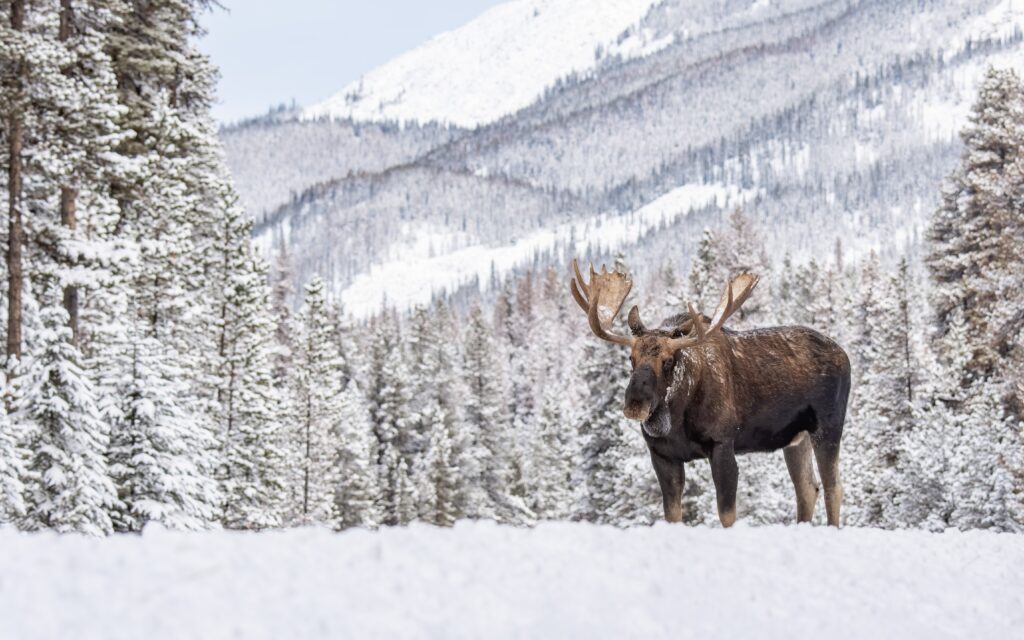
{"points": [[498, 146]]}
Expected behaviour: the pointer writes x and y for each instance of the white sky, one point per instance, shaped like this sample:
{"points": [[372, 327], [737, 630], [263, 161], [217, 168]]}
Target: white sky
{"points": [[273, 51]]}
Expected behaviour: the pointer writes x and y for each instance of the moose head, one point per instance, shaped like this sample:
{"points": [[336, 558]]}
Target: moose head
{"points": [[655, 353]]}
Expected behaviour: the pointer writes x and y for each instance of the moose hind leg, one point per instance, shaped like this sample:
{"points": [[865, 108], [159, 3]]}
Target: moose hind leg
{"points": [[826, 452], [801, 471], [671, 477], [725, 474]]}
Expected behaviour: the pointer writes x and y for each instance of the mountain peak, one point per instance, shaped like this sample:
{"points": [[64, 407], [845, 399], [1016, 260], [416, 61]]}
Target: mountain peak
{"points": [[494, 65]]}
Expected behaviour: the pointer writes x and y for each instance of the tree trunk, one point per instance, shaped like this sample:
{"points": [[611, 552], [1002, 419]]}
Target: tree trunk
{"points": [[67, 218], [68, 195], [15, 136]]}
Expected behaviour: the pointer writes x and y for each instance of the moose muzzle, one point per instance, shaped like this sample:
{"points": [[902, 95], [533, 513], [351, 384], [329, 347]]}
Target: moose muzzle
{"points": [[640, 394]]}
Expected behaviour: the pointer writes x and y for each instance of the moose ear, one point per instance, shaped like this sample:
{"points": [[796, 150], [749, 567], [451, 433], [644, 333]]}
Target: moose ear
{"points": [[635, 325]]}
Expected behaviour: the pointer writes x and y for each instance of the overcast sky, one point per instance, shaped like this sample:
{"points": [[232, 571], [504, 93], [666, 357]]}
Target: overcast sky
{"points": [[271, 51]]}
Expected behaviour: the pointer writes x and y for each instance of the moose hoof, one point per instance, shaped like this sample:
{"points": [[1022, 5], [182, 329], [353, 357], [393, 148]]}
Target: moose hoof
{"points": [[728, 518]]}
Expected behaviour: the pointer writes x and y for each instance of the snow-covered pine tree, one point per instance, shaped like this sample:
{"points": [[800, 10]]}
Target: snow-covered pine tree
{"points": [[436, 378], [740, 248], [317, 392], [160, 456], [553, 444], [487, 460], [972, 256], [975, 265], [12, 467], [406, 500], [281, 297], [439, 481], [987, 449], [804, 294], [864, 438], [253, 464], [68, 488], [356, 494], [551, 458], [703, 292], [388, 388]]}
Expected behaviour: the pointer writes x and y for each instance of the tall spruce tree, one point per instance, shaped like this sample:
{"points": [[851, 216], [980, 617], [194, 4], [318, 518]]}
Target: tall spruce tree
{"points": [[356, 494], [486, 460], [317, 392]]}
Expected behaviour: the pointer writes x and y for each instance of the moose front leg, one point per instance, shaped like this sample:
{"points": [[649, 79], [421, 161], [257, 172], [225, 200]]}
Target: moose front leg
{"points": [[725, 474], [671, 477]]}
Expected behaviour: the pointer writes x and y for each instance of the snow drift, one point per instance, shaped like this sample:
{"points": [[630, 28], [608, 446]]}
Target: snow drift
{"points": [[485, 580]]}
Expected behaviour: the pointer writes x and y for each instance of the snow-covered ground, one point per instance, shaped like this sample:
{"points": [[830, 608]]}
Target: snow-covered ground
{"points": [[484, 580], [496, 64]]}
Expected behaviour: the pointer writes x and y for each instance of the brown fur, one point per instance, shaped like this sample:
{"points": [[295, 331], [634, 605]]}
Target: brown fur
{"points": [[702, 391], [740, 392]]}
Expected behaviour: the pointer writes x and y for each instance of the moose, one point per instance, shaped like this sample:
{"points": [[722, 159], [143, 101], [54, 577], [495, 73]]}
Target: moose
{"points": [[701, 391]]}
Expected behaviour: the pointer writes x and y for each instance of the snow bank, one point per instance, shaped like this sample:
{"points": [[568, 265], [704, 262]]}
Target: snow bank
{"points": [[484, 580], [495, 65]]}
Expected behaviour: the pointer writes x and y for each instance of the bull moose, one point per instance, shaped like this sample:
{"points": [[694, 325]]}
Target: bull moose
{"points": [[700, 390]]}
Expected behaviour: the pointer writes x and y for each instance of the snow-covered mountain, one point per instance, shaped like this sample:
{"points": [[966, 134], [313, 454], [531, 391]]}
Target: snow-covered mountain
{"points": [[829, 120], [497, 64]]}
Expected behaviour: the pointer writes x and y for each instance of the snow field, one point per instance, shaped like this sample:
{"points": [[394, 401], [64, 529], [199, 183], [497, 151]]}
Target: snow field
{"points": [[484, 580]]}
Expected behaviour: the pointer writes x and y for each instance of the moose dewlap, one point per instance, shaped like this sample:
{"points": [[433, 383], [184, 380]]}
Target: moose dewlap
{"points": [[700, 390]]}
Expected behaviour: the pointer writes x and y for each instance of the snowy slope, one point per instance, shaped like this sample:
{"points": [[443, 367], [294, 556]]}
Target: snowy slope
{"points": [[425, 264], [492, 66], [483, 580]]}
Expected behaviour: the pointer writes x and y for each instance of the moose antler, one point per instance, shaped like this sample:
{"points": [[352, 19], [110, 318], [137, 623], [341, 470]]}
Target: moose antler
{"points": [[735, 294], [601, 299]]}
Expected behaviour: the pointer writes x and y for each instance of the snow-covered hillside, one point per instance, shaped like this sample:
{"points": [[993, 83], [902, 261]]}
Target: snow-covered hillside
{"points": [[415, 270], [494, 65], [854, 126], [484, 580]]}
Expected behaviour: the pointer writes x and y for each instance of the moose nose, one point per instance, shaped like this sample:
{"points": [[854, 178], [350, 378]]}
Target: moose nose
{"points": [[640, 394]]}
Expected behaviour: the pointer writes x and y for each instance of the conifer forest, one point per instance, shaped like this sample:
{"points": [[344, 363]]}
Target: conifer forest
{"points": [[186, 344]]}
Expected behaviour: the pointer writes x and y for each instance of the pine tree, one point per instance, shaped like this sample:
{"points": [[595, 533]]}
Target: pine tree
{"points": [[741, 248], [439, 485], [702, 272], [972, 258], [987, 448], [551, 457], [317, 392], [252, 462], [356, 494], [161, 456], [406, 500], [486, 462], [12, 468], [388, 388], [438, 390], [69, 488]]}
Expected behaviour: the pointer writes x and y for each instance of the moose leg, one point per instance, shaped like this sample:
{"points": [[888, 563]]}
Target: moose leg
{"points": [[801, 471], [725, 474], [827, 454], [671, 476]]}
